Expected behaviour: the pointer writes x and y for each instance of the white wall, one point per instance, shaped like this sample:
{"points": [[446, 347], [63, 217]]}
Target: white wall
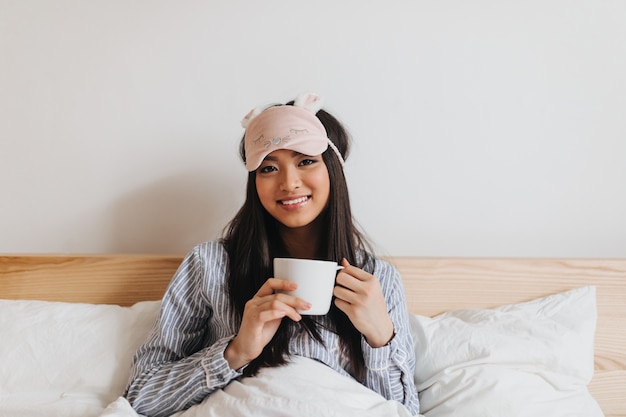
{"points": [[482, 128]]}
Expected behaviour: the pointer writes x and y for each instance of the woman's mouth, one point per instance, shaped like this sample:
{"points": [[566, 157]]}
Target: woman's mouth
{"points": [[294, 202]]}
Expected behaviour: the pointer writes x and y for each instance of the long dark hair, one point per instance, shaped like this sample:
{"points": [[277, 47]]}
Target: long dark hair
{"points": [[252, 240]]}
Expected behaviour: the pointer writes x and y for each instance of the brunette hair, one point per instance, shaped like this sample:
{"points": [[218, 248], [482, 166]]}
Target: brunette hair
{"points": [[252, 240]]}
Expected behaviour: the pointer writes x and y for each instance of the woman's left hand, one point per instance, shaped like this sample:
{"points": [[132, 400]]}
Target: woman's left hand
{"points": [[359, 295]]}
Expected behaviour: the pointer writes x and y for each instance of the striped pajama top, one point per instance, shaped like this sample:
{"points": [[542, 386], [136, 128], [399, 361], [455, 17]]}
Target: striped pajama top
{"points": [[182, 361]]}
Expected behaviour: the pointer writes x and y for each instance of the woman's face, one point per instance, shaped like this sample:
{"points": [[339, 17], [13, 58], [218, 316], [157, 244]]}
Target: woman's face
{"points": [[294, 188]]}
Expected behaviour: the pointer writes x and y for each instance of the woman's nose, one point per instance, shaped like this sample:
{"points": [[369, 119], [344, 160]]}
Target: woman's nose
{"points": [[290, 179]]}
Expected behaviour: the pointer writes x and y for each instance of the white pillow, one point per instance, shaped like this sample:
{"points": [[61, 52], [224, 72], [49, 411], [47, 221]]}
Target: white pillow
{"points": [[64, 356], [522, 360]]}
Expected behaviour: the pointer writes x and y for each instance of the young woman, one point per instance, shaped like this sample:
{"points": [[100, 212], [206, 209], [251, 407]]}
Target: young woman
{"points": [[223, 316]]}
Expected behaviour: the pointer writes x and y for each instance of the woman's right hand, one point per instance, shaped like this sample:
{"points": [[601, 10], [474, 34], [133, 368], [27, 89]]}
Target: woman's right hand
{"points": [[261, 317]]}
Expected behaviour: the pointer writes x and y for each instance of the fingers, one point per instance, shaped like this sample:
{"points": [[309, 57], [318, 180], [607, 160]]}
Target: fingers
{"points": [[360, 296], [273, 301], [261, 319], [346, 295], [274, 284], [280, 305], [354, 271], [354, 280], [350, 293]]}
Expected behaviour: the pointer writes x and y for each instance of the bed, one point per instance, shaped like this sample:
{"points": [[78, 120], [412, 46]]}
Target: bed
{"points": [[493, 337]]}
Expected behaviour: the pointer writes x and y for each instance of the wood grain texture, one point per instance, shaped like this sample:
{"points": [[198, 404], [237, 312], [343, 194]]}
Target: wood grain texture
{"points": [[432, 285], [97, 279]]}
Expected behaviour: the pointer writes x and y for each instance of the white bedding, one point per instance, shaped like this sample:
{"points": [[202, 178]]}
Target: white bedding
{"points": [[530, 359], [67, 359], [523, 360], [304, 388]]}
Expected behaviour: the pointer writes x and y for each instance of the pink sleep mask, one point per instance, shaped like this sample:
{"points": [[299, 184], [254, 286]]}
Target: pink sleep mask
{"points": [[285, 127]]}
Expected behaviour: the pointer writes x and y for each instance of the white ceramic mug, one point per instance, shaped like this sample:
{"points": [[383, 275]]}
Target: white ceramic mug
{"points": [[315, 279]]}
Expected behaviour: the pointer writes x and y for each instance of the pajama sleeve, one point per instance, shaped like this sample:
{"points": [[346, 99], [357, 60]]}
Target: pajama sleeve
{"points": [[390, 369], [182, 360]]}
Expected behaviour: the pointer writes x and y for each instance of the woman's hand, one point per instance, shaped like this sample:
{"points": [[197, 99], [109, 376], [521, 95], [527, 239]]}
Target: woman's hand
{"points": [[358, 294], [261, 317]]}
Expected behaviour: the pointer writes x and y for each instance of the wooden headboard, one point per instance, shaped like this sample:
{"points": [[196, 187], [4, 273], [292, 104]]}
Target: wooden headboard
{"points": [[432, 285]]}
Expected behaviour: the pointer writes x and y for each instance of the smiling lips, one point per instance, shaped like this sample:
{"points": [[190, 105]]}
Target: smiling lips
{"points": [[295, 202]]}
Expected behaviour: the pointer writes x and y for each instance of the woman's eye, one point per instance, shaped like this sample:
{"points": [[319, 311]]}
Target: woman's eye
{"points": [[307, 162], [267, 169]]}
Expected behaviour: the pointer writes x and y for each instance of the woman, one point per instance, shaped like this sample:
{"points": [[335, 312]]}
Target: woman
{"points": [[223, 316]]}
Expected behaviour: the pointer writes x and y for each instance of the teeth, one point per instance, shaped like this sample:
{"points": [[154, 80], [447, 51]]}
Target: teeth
{"points": [[296, 201]]}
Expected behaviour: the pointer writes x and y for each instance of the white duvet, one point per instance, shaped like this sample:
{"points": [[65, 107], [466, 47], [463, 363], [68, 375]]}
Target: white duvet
{"points": [[304, 388], [525, 360], [72, 360]]}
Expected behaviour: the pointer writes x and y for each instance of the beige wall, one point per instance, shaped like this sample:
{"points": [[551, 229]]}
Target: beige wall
{"points": [[485, 128]]}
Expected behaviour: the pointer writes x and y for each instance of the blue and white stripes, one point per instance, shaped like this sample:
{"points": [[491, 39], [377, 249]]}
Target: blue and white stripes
{"points": [[183, 359]]}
